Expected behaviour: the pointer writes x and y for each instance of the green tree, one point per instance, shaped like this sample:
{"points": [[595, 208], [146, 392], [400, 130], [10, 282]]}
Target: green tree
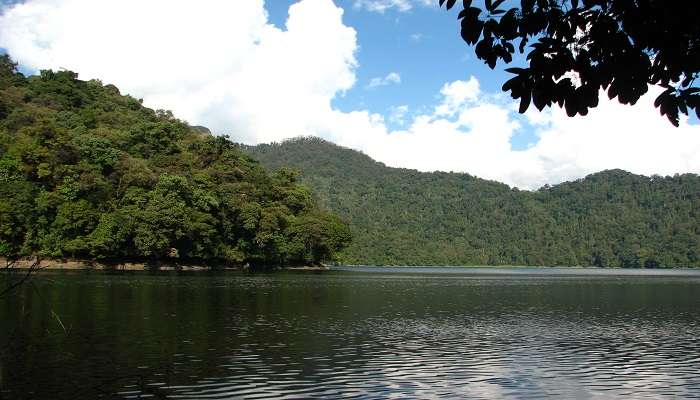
{"points": [[86, 172], [316, 237], [405, 217]]}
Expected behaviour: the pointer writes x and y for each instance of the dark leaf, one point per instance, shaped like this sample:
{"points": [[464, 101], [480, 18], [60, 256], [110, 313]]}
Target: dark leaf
{"points": [[590, 96], [521, 47], [571, 105], [538, 100], [673, 117], [542, 93], [509, 46], [491, 61], [508, 25], [497, 3], [490, 26], [524, 103], [669, 108], [659, 100], [512, 83], [450, 3], [471, 28]]}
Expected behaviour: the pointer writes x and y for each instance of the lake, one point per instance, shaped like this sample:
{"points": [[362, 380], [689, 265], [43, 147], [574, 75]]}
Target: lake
{"points": [[354, 333]]}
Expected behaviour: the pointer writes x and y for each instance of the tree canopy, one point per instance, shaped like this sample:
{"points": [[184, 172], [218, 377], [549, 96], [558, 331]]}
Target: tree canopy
{"points": [[406, 217], [578, 47], [88, 173]]}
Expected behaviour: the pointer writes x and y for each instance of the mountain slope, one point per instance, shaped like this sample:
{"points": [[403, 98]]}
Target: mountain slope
{"points": [[86, 172], [401, 216]]}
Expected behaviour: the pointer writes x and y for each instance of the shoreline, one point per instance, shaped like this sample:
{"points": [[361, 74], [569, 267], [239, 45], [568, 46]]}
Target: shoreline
{"points": [[68, 264], [509, 266], [506, 267]]}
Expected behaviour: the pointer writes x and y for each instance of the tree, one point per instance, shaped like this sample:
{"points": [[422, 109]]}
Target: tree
{"points": [[317, 236], [88, 173], [405, 217], [579, 47]]}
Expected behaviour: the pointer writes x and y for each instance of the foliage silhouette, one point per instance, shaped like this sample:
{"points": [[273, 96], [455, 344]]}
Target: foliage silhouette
{"points": [[579, 47]]}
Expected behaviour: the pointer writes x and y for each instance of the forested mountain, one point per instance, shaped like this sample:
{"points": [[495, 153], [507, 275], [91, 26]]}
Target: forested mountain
{"points": [[400, 216], [88, 173]]}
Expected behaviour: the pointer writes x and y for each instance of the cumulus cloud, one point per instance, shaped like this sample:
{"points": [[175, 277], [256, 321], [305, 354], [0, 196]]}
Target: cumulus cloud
{"points": [[391, 78], [223, 65], [636, 139], [471, 131], [455, 95], [216, 63]]}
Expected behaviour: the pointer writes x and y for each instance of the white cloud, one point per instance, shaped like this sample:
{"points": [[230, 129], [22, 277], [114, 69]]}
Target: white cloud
{"points": [[214, 63], [397, 114], [456, 94], [635, 138], [223, 65], [391, 78], [416, 37], [470, 131], [381, 6]]}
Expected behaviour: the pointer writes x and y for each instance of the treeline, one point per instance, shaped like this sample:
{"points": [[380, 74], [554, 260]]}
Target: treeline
{"points": [[88, 173], [405, 217]]}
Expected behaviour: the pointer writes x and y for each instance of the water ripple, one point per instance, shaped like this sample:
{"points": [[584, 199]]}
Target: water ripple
{"points": [[348, 336]]}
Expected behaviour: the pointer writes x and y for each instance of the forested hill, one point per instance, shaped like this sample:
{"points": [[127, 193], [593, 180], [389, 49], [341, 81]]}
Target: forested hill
{"points": [[88, 173], [400, 216]]}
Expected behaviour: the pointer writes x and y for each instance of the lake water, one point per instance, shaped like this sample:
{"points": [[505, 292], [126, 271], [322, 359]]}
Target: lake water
{"points": [[367, 332]]}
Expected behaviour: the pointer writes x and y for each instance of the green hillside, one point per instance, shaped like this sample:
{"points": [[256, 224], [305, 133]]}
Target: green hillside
{"points": [[88, 173], [405, 217]]}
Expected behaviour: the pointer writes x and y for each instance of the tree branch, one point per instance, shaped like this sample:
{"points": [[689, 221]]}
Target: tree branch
{"points": [[14, 285]]}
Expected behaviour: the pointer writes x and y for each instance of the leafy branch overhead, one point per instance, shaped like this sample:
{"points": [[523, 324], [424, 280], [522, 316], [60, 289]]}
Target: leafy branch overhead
{"points": [[578, 47]]}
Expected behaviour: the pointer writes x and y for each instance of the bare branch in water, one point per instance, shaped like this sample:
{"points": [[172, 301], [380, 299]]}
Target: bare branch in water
{"points": [[10, 263], [10, 266]]}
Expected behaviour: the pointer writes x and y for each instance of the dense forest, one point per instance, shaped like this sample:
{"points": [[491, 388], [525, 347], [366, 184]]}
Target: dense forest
{"points": [[88, 173], [400, 216]]}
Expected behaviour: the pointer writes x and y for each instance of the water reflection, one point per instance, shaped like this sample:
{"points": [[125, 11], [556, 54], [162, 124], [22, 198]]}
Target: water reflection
{"points": [[344, 334]]}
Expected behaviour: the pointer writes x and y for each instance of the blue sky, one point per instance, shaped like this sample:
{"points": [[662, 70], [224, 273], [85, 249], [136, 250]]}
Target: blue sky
{"points": [[422, 45], [391, 78]]}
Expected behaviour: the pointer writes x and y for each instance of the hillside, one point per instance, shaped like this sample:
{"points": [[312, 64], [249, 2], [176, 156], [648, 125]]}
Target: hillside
{"points": [[405, 217], [88, 173]]}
